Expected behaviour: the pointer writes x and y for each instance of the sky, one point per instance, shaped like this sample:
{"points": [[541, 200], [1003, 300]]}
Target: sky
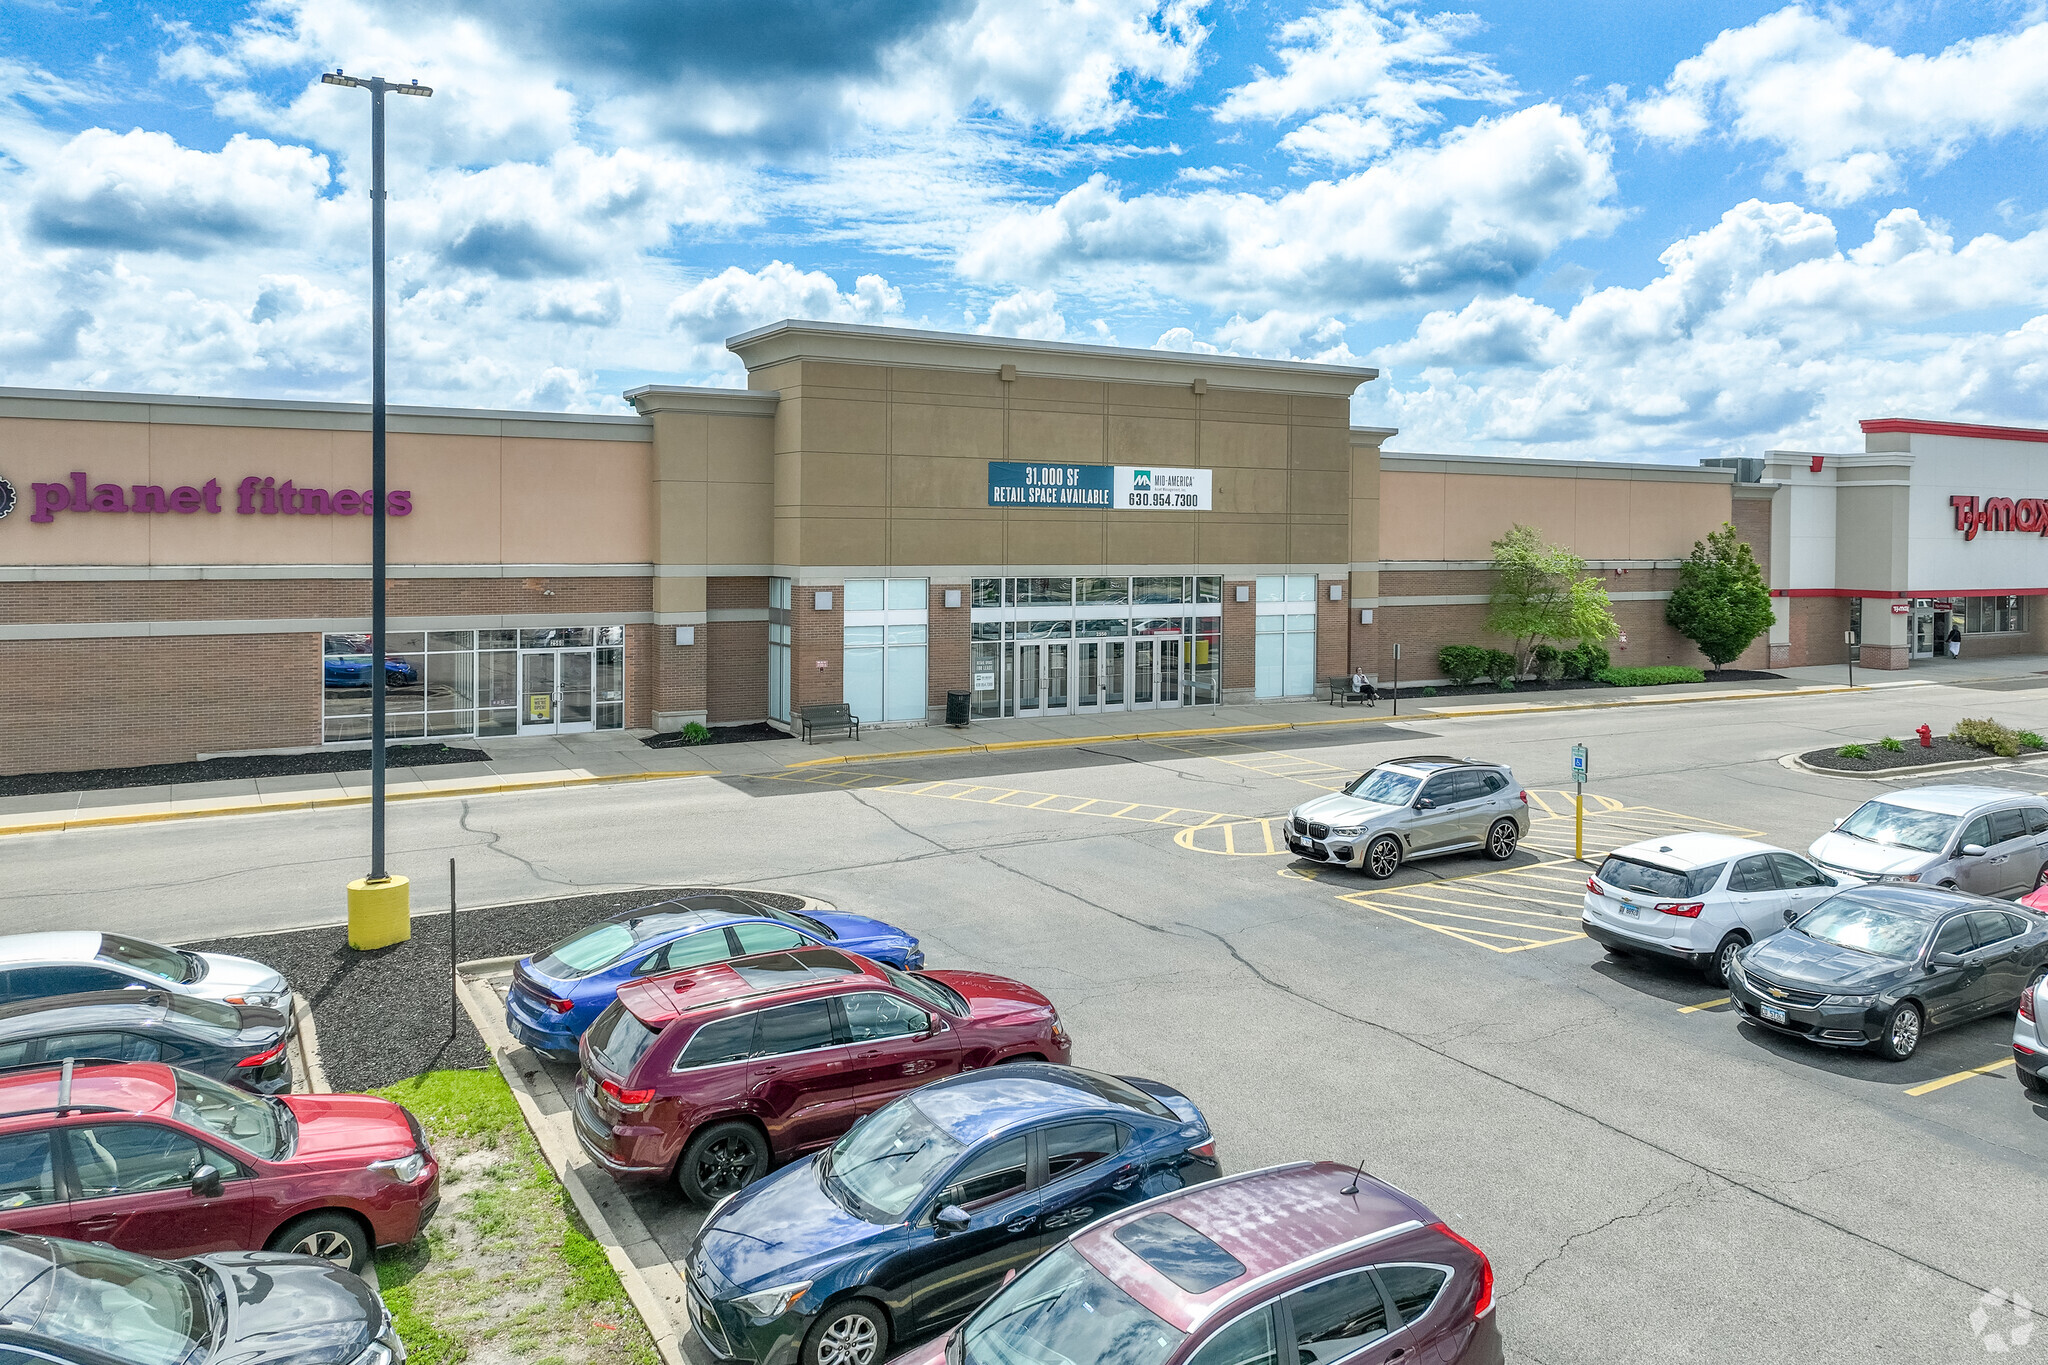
{"points": [[1596, 230]]}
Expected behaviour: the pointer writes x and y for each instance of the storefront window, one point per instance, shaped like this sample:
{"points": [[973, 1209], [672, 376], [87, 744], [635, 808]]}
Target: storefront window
{"points": [[1209, 588], [457, 683], [1993, 615], [778, 649], [1045, 592], [986, 592], [1159, 590], [1284, 649], [884, 639], [1110, 592]]}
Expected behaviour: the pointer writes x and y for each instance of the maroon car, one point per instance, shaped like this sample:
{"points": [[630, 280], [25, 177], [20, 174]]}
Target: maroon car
{"points": [[714, 1073], [1310, 1263], [164, 1162]]}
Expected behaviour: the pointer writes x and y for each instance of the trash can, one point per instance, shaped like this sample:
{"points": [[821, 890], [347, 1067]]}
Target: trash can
{"points": [[956, 708]]}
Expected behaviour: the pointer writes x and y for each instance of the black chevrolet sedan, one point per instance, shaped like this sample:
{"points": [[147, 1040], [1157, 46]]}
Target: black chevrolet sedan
{"points": [[239, 1045], [1882, 966]]}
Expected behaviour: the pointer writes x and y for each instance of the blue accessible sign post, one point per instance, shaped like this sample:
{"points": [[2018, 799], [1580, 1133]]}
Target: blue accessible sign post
{"points": [[1579, 780]]}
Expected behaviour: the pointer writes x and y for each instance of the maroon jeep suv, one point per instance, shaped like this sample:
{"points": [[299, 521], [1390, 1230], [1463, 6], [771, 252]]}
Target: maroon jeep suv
{"points": [[715, 1073]]}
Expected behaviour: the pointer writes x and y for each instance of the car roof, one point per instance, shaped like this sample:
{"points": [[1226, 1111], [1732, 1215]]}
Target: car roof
{"points": [[32, 1015], [129, 1087], [1956, 800], [1923, 902], [1270, 1221], [974, 1105], [59, 945], [1431, 762], [692, 912], [659, 1000], [1684, 852]]}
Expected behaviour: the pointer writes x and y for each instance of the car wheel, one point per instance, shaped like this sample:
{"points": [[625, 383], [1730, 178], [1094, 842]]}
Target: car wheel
{"points": [[850, 1332], [1382, 857], [1901, 1038], [1724, 958], [332, 1237], [1501, 840], [721, 1160], [2041, 877]]}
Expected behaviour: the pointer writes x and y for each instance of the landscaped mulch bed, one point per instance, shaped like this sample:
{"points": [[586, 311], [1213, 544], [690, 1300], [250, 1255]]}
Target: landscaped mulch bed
{"points": [[1945, 750], [383, 1015], [253, 765], [1522, 689], [720, 734]]}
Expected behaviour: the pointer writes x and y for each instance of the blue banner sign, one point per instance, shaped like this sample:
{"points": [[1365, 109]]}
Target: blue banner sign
{"points": [[1015, 483]]}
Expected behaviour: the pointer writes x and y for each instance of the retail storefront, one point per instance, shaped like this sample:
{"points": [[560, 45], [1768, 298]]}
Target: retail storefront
{"points": [[1926, 541], [880, 518]]}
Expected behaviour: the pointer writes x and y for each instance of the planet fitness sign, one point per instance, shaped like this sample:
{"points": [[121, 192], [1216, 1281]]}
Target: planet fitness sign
{"points": [[2026, 515], [255, 495]]}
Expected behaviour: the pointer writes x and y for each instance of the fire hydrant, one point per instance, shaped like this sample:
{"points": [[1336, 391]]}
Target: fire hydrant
{"points": [[1926, 734]]}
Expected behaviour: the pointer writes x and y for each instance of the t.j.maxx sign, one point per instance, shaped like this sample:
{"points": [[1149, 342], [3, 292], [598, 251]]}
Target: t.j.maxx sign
{"points": [[2026, 515]]}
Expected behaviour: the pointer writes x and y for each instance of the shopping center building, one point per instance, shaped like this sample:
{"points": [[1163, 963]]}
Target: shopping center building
{"points": [[881, 517]]}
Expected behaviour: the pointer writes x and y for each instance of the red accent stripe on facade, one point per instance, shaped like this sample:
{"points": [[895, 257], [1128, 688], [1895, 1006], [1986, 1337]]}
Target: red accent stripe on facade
{"points": [[1982, 433], [1887, 593]]}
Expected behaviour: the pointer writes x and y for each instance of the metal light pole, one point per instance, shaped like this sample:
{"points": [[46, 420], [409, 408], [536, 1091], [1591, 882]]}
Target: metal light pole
{"points": [[379, 905]]}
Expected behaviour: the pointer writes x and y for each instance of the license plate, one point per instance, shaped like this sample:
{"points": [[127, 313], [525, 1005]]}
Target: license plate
{"points": [[1771, 1013], [1629, 910]]}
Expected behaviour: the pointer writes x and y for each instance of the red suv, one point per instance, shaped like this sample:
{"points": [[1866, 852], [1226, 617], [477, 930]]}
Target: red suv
{"points": [[167, 1163], [715, 1073], [1310, 1263]]}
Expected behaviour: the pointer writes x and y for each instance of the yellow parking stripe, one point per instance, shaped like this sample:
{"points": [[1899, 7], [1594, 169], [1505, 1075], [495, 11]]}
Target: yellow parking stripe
{"points": [[1931, 1086], [1706, 1005]]}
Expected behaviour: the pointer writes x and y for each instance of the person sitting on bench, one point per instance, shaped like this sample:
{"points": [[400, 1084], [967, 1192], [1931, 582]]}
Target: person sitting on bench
{"points": [[1362, 686]]}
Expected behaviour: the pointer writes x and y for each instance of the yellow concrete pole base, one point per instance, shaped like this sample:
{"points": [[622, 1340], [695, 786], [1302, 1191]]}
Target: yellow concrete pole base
{"points": [[379, 913]]}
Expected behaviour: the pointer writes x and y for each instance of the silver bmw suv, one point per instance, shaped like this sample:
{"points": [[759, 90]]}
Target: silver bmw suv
{"points": [[1413, 808]]}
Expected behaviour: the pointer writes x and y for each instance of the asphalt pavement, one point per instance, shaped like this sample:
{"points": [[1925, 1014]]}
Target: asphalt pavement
{"points": [[1653, 1181]]}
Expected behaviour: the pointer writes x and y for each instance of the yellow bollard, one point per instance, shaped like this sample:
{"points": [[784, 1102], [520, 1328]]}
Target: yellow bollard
{"points": [[1579, 826], [379, 913]]}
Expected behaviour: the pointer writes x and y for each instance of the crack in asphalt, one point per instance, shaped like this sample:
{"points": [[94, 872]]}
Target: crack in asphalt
{"points": [[1075, 895], [1652, 1207], [1419, 1041], [494, 843]]}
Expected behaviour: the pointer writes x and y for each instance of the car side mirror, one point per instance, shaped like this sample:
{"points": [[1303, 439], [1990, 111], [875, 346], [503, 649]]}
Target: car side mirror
{"points": [[1838, 822], [1424, 803], [952, 1219], [1974, 850], [1945, 960], [1009, 1275], [206, 1181]]}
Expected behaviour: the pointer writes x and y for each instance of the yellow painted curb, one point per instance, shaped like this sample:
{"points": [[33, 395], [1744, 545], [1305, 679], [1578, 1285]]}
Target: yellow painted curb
{"points": [[1077, 741], [245, 805]]}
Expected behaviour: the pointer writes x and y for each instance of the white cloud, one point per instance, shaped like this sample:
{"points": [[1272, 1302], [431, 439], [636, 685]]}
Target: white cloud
{"points": [[1477, 210], [736, 300], [1183, 339], [585, 303], [1849, 117], [1032, 313], [1370, 78]]}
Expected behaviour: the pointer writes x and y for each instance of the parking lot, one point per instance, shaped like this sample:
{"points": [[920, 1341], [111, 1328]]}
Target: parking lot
{"points": [[1653, 1180]]}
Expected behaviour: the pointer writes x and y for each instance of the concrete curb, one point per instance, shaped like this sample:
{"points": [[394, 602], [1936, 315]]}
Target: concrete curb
{"points": [[656, 1292], [1005, 746], [256, 805], [1793, 762], [306, 1042]]}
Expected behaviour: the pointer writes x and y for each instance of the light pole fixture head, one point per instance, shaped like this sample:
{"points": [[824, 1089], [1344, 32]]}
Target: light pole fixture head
{"points": [[336, 78]]}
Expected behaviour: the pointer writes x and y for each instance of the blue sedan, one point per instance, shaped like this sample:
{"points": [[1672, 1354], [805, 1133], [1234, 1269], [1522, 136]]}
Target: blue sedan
{"points": [[355, 672], [907, 1223], [556, 994]]}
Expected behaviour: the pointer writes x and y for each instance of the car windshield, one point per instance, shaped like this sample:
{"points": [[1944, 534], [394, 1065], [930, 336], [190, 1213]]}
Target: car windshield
{"points": [[248, 1121], [1385, 787], [1627, 874], [588, 950], [882, 1166], [128, 1307], [930, 991], [1880, 822], [619, 1040], [153, 958], [209, 1012], [800, 921], [1063, 1311], [1847, 922]]}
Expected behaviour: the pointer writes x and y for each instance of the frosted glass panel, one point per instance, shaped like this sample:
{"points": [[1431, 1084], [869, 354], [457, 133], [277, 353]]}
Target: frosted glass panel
{"points": [[1267, 678], [1301, 664], [905, 686], [864, 683]]}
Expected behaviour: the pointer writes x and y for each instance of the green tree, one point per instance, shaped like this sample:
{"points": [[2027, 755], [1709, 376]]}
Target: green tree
{"points": [[1543, 593], [1720, 603]]}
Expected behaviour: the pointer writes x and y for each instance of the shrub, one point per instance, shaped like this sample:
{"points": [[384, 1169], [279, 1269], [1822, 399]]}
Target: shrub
{"points": [[1547, 662], [1852, 751], [1890, 745], [1500, 668], [1585, 660], [1462, 664], [1507, 685], [1988, 734], [1648, 677], [695, 733], [1429, 691], [2030, 740]]}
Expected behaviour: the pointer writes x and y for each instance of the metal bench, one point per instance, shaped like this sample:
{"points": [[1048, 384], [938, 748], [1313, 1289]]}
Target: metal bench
{"points": [[1341, 692], [815, 720]]}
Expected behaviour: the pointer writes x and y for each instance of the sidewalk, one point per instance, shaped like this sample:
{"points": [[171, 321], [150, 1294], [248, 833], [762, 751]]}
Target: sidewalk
{"points": [[615, 756]]}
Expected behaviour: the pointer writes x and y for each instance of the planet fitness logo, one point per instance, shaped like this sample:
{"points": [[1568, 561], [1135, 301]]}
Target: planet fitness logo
{"points": [[7, 498]]}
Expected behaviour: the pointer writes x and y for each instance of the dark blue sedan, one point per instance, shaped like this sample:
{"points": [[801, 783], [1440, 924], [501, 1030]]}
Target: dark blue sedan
{"points": [[345, 671], [556, 994], [907, 1223]]}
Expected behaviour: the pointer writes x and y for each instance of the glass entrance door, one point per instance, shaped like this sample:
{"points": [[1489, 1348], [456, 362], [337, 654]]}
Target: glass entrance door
{"points": [[1156, 663], [1169, 670], [1923, 633], [1030, 684], [1088, 675], [555, 695]]}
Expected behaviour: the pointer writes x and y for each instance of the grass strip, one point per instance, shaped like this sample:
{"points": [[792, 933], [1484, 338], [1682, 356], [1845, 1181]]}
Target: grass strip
{"points": [[507, 1270]]}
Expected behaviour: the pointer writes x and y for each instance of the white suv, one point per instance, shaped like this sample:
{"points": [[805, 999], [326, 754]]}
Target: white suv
{"points": [[1700, 898]]}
